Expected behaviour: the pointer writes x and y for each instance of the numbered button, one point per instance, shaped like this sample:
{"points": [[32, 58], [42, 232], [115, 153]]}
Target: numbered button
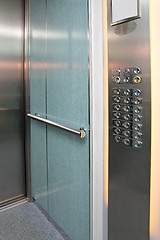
{"points": [[117, 79], [126, 125], [137, 136], [126, 71], [137, 119], [137, 101], [117, 131], [117, 115], [137, 109], [137, 92], [137, 144], [116, 91], [117, 99], [117, 123], [116, 71], [117, 107], [118, 139], [126, 133], [127, 108], [127, 117], [126, 79], [127, 92], [137, 127], [127, 100], [127, 141], [137, 71]]}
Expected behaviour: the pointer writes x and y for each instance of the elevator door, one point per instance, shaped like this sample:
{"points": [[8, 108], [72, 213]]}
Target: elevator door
{"points": [[59, 93], [12, 165]]}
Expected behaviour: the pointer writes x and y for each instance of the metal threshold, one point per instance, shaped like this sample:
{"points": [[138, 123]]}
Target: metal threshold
{"points": [[13, 202]]}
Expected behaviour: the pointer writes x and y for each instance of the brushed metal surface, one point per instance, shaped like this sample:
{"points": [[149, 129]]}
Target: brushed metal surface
{"points": [[12, 170], [27, 101], [129, 168]]}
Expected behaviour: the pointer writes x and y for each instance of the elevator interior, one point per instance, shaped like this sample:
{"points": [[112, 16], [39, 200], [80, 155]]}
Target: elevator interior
{"points": [[52, 115], [53, 85]]}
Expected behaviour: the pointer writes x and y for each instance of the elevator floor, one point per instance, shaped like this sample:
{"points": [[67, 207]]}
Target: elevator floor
{"points": [[26, 222]]}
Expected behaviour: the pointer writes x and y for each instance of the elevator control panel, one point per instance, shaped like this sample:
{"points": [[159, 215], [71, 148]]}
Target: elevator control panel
{"points": [[127, 106]]}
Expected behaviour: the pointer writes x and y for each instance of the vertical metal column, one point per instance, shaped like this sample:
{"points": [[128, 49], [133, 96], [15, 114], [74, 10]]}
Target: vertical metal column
{"points": [[129, 163]]}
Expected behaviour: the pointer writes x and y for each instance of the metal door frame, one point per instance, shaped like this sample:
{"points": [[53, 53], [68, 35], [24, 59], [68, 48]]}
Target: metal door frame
{"points": [[27, 100], [95, 81]]}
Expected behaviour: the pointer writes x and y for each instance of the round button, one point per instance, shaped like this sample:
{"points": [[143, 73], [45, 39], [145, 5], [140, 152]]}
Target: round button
{"points": [[127, 125], [126, 79], [138, 136], [117, 115], [137, 144], [137, 119], [118, 139], [127, 108], [137, 127], [137, 101], [117, 79], [117, 131], [117, 107], [127, 117], [116, 91], [137, 92], [127, 100], [137, 71], [126, 141], [126, 70], [127, 92], [116, 71], [117, 99], [137, 79], [126, 133], [137, 110], [117, 123]]}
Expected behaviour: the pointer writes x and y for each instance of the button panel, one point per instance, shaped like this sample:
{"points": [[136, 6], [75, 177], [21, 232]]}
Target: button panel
{"points": [[127, 107]]}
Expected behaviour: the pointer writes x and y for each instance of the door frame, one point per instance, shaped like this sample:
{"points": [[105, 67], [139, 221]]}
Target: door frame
{"points": [[27, 100], [96, 53]]}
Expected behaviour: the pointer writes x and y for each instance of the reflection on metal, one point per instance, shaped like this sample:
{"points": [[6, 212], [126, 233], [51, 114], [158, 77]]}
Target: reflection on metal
{"points": [[155, 150], [12, 170], [129, 168], [81, 132], [12, 202], [27, 100]]}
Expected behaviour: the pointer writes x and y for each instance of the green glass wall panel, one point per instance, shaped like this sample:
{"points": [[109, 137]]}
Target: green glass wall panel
{"points": [[67, 100], [38, 100], [69, 182], [59, 92]]}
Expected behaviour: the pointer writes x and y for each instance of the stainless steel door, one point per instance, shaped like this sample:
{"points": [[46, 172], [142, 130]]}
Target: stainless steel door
{"points": [[12, 165]]}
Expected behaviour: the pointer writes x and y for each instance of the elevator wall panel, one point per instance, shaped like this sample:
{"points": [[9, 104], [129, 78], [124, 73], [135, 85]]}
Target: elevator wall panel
{"points": [[129, 164], [38, 15], [59, 92], [12, 170]]}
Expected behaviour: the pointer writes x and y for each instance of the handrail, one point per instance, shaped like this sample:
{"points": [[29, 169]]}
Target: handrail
{"points": [[81, 132]]}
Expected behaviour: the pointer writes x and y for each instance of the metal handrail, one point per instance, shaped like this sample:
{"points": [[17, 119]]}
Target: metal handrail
{"points": [[81, 132]]}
